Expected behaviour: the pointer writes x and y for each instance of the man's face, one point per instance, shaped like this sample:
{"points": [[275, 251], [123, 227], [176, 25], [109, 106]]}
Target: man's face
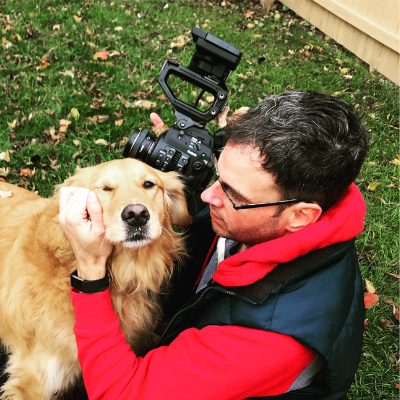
{"points": [[239, 168]]}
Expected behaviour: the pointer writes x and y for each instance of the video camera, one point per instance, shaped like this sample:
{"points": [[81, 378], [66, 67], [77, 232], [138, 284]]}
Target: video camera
{"points": [[187, 147]]}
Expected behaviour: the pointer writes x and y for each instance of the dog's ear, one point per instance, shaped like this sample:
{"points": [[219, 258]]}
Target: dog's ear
{"points": [[81, 179], [175, 199]]}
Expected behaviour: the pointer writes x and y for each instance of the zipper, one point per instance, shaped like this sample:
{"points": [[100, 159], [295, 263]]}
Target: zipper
{"points": [[182, 310]]}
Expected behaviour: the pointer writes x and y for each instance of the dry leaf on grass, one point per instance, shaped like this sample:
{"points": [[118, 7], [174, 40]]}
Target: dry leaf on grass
{"points": [[370, 300]]}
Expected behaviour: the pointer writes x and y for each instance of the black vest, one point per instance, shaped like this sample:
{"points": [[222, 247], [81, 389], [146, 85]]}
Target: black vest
{"points": [[316, 298]]}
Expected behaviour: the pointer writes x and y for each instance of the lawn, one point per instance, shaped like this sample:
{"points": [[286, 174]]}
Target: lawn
{"points": [[63, 107]]}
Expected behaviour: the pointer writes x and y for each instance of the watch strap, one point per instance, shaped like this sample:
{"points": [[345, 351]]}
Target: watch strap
{"points": [[90, 287]]}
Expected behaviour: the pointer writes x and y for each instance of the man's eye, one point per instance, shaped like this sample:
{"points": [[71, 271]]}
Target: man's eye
{"points": [[148, 184]]}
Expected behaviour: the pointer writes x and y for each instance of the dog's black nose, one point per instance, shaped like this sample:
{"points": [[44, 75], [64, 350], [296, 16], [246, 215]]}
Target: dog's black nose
{"points": [[135, 214]]}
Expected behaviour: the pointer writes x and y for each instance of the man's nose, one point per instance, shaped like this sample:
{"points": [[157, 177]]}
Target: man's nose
{"points": [[213, 196]]}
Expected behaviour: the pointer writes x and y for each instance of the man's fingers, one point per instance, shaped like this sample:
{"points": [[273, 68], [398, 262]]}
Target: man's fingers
{"points": [[96, 212], [66, 194], [156, 120]]}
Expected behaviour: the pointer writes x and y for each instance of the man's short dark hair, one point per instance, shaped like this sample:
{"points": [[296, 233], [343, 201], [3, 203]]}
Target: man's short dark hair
{"points": [[312, 143]]}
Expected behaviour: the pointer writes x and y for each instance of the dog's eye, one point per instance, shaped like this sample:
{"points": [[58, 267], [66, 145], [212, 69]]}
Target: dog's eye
{"points": [[148, 185], [106, 188]]}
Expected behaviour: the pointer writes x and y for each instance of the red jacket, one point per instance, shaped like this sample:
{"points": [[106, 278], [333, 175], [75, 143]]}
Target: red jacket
{"points": [[216, 362]]}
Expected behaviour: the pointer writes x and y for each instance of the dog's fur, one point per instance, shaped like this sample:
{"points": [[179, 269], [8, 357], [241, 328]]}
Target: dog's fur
{"points": [[36, 260]]}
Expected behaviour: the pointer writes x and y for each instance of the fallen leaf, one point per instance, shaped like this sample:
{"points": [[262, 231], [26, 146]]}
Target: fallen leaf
{"points": [[101, 54], [77, 19], [89, 32], [75, 113], [68, 73], [396, 313], [396, 161], [56, 27], [370, 286], [119, 122], [118, 28], [250, 26], [366, 323], [370, 300], [101, 141], [64, 122], [5, 156], [76, 142], [386, 323], [27, 172], [12, 124], [391, 303], [210, 99], [380, 198], [180, 41], [159, 131], [395, 276], [373, 185], [4, 172], [98, 118], [145, 104], [5, 195]]}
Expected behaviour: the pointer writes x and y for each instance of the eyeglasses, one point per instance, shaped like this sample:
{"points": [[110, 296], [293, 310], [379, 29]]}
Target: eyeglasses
{"points": [[244, 206]]}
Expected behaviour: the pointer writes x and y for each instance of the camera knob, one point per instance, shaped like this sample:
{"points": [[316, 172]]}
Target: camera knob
{"points": [[198, 166], [191, 179]]}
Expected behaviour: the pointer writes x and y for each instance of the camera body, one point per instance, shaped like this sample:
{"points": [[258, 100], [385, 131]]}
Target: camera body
{"points": [[187, 147]]}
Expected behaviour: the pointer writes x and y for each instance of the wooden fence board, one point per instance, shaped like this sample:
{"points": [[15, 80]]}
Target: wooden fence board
{"points": [[368, 28]]}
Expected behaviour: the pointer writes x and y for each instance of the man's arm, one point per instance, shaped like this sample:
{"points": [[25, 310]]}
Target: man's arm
{"points": [[216, 362]]}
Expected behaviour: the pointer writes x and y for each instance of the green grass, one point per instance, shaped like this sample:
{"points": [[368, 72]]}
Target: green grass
{"points": [[277, 56]]}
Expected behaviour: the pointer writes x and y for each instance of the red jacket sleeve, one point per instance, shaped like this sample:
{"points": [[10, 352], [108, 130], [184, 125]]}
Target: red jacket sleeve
{"points": [[216, 362]]}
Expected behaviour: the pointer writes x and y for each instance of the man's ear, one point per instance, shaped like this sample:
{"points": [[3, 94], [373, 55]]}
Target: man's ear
{"points": [[301, 215], [174, 198]]}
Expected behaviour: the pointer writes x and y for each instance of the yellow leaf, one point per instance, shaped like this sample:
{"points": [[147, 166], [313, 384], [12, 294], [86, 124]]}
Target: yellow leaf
{"points": [[56, 27], [373, 185], [257, 36], [145, 104], [379, 198], [396, 161], [101, 141], [5, 156], [119, 122], [370, 287], [31, 15], [339, 61], [75, 113], [242, 76], [372, 116], [12, 124], [344, 71], [77, 19], [250, 26]]}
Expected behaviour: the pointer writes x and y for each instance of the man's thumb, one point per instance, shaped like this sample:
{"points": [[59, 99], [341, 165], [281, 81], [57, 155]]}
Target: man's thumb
{"points": [[95, 212]]}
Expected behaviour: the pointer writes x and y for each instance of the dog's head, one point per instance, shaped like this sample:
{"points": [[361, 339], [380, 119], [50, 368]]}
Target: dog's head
{"points": [[138, 201]]}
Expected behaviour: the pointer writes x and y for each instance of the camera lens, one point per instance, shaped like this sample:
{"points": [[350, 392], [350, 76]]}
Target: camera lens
{"points": [[140, 144]]}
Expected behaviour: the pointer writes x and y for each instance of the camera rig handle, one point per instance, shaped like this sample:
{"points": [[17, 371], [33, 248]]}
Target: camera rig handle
{"points": [[220, 94]]}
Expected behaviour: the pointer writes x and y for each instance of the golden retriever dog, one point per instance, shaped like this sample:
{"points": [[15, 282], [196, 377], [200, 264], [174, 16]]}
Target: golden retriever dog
{"points": [[36, 315]]}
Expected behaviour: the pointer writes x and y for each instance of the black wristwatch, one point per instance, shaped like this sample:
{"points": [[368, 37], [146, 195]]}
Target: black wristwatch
{"points": [[90, 287]]}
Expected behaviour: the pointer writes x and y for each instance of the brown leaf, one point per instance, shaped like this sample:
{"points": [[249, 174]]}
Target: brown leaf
{"points": [[385, 323], [98, 118], [391, 302], [119, 122], [396, 313], [366, 323], [395, 276]]}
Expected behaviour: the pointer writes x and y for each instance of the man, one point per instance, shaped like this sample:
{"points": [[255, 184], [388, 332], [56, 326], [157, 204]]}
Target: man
{"points": [[279, 310]]}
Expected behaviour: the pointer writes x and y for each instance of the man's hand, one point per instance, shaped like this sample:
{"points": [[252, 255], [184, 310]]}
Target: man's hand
{"points": [[81, 218]]}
